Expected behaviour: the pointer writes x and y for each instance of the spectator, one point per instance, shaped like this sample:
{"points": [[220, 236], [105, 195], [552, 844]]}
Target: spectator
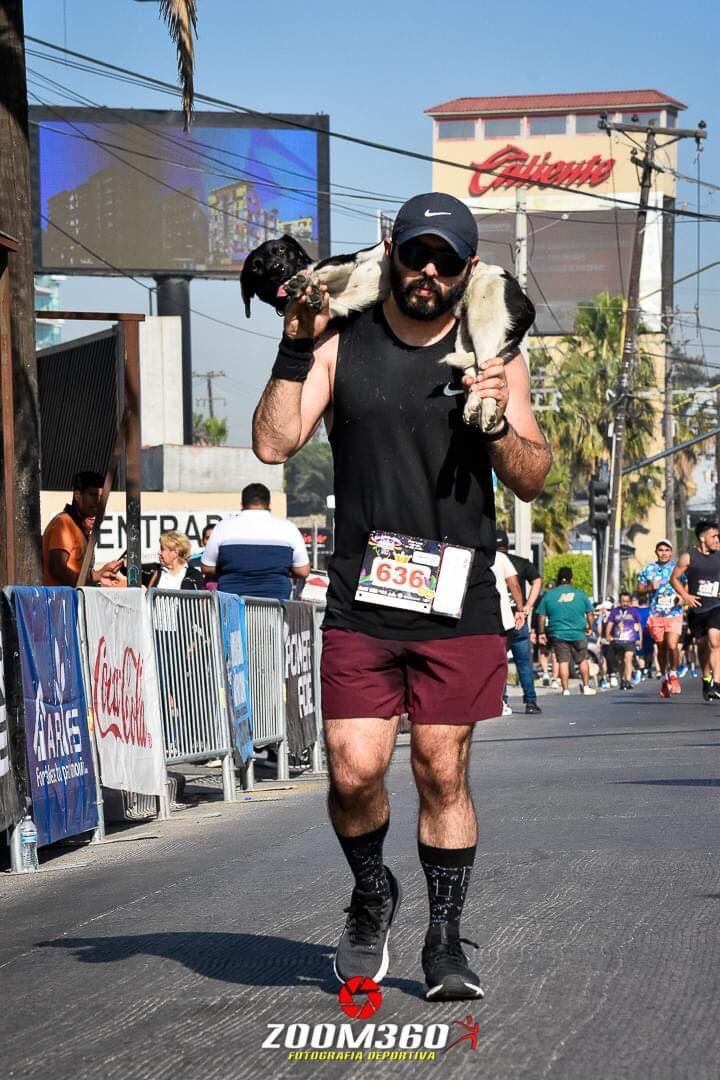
{"points": [[173, 572], [530, 583], [65, 539], [196, 559], [546, 658], [567, 611], [254, 553], [624, 634]]}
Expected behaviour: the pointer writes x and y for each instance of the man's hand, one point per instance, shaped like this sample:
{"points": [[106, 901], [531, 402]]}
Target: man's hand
{"points": [[490, 382], [107, 574], [519, 620], [301, 321], [542, 638], [692, 601]]}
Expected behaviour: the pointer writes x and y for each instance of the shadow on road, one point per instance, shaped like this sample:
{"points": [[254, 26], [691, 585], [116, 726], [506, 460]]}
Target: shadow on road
{"points": [[247, 959], [705, 782]]}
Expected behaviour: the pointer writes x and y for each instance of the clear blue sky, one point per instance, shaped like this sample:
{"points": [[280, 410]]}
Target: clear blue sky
{"points": [[375, 67]]}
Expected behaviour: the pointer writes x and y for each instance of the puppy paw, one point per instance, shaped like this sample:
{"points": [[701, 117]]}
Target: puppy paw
{"points": [[296, 285], [480, 412]]}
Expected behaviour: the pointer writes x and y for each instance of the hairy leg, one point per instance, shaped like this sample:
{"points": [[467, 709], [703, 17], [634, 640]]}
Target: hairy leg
{"points": [[672, 645], [440, 754], [584, 667], [714, 643], [359, 752]]}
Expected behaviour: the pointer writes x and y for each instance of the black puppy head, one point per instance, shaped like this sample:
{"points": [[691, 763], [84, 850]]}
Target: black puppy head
{"points": [[267, 267]]}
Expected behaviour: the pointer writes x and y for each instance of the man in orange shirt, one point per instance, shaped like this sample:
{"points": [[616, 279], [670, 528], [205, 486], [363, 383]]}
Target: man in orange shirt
{"points": [[65, 539]]}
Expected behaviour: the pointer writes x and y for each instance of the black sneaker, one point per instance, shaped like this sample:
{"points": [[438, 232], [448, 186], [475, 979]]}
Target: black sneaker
{"points": [[363, 947], [532, 707], [447, 975], [707, 689], [713, 693]]}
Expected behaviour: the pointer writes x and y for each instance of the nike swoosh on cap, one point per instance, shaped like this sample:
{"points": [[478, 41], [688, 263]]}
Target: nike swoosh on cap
{"points": [[438, 213], [450, 391]]}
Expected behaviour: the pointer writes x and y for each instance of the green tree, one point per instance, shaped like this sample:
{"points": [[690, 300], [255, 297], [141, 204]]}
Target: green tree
{"points": [[208, 430], [581, 566], [585, 370], [309, 479], [15, 221]]}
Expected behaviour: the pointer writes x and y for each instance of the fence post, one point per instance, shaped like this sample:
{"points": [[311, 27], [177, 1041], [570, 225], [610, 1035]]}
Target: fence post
{"points": [[15, 849]]}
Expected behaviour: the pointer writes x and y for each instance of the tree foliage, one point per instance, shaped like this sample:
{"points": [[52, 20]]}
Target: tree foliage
{"points": [[585, 369], [209, 430], [309, 480], [581, 566]]}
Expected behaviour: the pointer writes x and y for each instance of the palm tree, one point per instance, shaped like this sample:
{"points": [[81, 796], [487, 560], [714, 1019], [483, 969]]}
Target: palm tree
{"points": [[15, 220], [585, 369]]}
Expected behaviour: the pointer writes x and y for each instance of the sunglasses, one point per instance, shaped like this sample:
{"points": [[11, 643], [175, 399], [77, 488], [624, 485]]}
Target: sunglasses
{"points": [[415, 256]]}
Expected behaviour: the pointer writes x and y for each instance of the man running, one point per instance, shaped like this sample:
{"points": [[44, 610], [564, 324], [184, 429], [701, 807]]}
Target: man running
{"points": [[406, 467], [568, 613], [696, 579], [624, 634], [665, 621]]}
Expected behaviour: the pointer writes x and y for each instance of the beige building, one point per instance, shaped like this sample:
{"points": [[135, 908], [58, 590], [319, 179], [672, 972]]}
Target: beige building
{"points": [[580, 187]]}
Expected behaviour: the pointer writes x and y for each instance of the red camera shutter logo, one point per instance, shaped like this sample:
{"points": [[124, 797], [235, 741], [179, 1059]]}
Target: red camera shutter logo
{"points": [[369, 993]]}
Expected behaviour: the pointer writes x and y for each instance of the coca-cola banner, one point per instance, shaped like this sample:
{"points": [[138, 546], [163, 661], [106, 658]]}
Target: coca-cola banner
{"points": [[57, 740], [124, 690], [9, 802]]}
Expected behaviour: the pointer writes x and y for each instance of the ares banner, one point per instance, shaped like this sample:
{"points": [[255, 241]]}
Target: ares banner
{"points": [[300, 675], [57, 740], [124, 691], [235, 655]]}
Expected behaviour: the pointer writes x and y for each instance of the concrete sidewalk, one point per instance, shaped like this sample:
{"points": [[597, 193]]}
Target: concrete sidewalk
{"points": [[595, 903]]}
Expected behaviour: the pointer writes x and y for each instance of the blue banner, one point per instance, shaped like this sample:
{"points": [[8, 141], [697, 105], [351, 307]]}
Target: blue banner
{"points": [[57, 740], [235, 655]]}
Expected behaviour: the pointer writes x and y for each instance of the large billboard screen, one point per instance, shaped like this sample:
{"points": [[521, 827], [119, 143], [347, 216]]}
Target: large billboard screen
{"points": [[130, 191], [571, 258]]}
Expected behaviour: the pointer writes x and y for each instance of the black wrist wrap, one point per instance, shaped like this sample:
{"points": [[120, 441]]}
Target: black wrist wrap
{"points": [[294, 359]]}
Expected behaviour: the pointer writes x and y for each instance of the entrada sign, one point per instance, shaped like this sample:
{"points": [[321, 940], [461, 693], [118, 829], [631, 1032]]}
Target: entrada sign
{"points": [[517, 168]]}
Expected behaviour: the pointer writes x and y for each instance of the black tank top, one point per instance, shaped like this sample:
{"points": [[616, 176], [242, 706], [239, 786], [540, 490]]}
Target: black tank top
{"points": [[405, 462], [703, 578]]}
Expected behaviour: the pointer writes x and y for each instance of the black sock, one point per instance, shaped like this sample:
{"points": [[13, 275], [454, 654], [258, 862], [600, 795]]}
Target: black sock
{"points": [[365, 856], [447, 871]]}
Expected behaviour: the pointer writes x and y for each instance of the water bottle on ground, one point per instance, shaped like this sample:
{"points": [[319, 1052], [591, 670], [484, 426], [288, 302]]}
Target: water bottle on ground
{"points": [[28, 845]]}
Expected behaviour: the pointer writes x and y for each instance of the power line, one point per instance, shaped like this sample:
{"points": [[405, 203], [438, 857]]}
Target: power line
{"points": [[164, 87]]}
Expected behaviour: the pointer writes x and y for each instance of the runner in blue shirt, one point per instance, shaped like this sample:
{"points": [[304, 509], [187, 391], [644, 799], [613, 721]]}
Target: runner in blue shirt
{"points": [[665, 622]]}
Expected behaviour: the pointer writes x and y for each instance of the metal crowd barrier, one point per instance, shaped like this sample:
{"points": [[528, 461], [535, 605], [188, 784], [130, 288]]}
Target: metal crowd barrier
{"points": [[191, 678], [266, 651]]}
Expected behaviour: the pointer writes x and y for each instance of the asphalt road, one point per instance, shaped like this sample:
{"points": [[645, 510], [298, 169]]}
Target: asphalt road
{"points": [[595, 903]]}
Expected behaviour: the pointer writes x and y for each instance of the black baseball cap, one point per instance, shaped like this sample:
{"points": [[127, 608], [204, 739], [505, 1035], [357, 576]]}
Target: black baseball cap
{"points": [[437, 214], [501, 538]]}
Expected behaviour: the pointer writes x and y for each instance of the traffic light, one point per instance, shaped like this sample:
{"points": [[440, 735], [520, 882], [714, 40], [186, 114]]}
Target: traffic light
{"points": [[599, 500]]}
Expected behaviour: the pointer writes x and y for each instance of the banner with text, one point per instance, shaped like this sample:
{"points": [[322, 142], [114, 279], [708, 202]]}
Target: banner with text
{"points": [[299, 675], [9, 801], [124, 690], [235, 655], [57, 739]]}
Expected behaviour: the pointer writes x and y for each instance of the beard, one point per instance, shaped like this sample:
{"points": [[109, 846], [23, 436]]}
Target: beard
{"points": [[423, 308]]}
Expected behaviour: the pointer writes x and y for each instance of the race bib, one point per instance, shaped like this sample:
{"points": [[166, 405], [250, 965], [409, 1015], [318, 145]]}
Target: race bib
{"points": [[415, 574], [708, 589]]}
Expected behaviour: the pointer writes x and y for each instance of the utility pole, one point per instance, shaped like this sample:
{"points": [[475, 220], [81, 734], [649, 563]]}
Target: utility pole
{"points": [[647, 164], [668, 432], [522, 510], [210, 400]]}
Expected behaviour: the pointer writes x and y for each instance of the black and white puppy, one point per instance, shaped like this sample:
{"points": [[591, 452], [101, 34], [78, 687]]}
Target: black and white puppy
{"points": [[494, 313], [267, 268]]}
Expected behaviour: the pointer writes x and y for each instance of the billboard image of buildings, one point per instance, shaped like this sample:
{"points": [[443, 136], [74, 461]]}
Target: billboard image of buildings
{"points": [[131, 190]]}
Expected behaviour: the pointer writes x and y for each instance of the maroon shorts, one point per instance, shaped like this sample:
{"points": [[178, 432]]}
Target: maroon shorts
{"points": [[450, 681]]}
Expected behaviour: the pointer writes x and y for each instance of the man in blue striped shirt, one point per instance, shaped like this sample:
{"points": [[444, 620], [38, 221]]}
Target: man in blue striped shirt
{"points": [[254, 553]]}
